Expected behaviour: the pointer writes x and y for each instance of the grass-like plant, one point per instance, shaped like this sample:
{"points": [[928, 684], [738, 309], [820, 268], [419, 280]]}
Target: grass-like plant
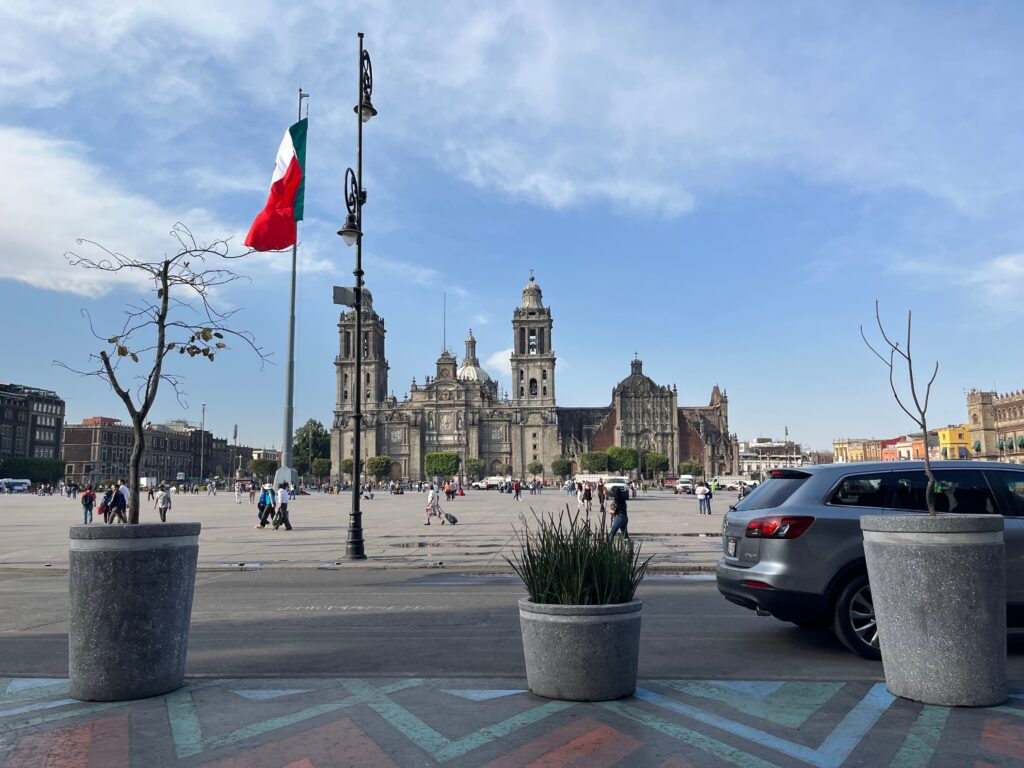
{"points": [[570, 561]]}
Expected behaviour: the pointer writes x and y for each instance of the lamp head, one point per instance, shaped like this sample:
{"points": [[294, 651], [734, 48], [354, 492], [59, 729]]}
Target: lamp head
{"points": [[350, 232], [365, 110]]}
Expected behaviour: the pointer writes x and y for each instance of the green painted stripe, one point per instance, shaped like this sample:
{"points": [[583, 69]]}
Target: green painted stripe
{"points": [[57, 689], [706, 743], [41, 719], [186, 731], [298, 133], [499, 730], [922, 738], [1009, 710], [790, 706]]}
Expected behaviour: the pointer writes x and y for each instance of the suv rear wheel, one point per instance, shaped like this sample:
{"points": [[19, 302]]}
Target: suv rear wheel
{"points": [[854, 619]]}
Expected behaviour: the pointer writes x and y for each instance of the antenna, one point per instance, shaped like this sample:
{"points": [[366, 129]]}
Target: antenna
{"points": [[444, 323]]}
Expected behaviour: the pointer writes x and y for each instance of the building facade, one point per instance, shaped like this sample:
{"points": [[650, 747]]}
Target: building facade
{"points": [[764, 453], [996, 424], [31, 422], [856, 449], [458, 409]]}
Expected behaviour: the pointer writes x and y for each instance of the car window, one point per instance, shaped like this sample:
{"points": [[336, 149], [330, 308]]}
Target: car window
{"points": [[960, 491], [1013, 483], [861, 490], [771, 493]]}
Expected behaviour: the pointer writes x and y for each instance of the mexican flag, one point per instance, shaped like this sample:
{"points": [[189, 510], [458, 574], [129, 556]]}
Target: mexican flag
{"points": [[274, 227]]}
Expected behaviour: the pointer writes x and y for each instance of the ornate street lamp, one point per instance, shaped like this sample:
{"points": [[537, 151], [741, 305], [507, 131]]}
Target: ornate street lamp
{"points": [[351, 233]]}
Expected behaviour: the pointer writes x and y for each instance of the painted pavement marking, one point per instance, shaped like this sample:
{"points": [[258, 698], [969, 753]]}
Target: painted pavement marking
{"points": [[1003, 738], [480, 695], [322, 747], [36, 707], [675, 762], [602, 747], [99, 744], [265, 695], [694, 738], [18, 684], [441, 747], [187, 733], [14, 692], [833, 751], [88, 709], [922, 738], [790, 704], [756, 689], [544, 744]]}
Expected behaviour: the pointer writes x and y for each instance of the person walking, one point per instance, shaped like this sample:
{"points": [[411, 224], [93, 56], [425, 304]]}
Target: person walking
{"points": [[281, 518], [238, 492], [588, 495], [602, 494], [516, 489], [252, 492], [88, 501], [104, 508], [266, 506], [149, 492], [162, 502], [620, 520], [118, 505]]}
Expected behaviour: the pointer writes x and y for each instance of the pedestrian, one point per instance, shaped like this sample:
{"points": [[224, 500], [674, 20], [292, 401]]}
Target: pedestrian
{"points": [[104, 508], [431, 501], [266, 505], [281, 518], [588, 495], [118, 505], [149, 491], [162, 502], [123, 489], [620, 520], [602, 493], [517, 489], [702, 492], [238, 492], [252, 492], [88, 501]]}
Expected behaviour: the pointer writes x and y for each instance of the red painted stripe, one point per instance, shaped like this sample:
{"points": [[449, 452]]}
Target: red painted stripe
{"points": [[70, 747], [110, 743], [1003, 738], [675, 762], [543, 744], [303, 763], [31, 751], [599, 748], [339, 743]]}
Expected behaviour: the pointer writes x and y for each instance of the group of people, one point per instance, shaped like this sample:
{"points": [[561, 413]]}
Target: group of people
{"points": [[273, 507], [113, 504]]}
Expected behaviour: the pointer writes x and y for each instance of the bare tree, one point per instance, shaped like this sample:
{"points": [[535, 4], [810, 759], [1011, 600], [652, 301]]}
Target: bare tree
{"points": [[176, 317], [899, 356]]}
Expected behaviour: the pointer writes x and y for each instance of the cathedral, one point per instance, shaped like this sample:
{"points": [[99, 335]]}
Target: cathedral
{"points": [[459, 408]]}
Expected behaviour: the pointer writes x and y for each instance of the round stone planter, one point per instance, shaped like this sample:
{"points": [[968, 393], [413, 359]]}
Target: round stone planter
{"points": [[938, 583], [581, 652], [131, 592]]}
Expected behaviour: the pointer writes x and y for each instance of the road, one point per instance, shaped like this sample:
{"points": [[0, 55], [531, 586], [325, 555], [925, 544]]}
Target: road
{"points": [[428, 623]]}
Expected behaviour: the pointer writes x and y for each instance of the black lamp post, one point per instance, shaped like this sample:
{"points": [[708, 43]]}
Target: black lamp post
{"points": [[351, 233]]}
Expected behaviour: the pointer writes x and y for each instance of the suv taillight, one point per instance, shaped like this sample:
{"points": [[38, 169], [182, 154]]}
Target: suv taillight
{"points": [[778, 527]]}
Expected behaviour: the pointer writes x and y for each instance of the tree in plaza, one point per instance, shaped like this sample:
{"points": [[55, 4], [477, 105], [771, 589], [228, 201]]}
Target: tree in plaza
{"points": [[535, 468], [655, 462], [561, 467], [476, 468], [442, 464], [593, 461], [321, 469], [379, 467], [32, 469], [346, 466], [897, 355], [262, 469], [174, 316], [504, 469], [691, 467], [311, 441], [621, 459]]}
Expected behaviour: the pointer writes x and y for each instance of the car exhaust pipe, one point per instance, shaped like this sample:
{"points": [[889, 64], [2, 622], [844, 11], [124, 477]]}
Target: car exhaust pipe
{"points": [[762, 612]]}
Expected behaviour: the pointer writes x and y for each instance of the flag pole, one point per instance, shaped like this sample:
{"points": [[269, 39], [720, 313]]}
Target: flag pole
{"points": [[286, 473]]}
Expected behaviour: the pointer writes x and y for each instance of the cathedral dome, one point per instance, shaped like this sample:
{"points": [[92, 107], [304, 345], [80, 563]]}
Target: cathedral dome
{"points": [[470, 369]]}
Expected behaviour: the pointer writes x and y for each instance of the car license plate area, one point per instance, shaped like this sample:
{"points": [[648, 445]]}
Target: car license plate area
{"points": [[730, 546]]}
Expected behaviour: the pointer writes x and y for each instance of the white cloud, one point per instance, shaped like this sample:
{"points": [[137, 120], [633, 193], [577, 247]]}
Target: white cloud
{"points": [[500, 362], [481, 318], [418, 275]]}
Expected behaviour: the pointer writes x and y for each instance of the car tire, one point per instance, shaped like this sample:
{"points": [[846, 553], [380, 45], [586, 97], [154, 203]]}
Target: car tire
{"points": [[854, 618]]}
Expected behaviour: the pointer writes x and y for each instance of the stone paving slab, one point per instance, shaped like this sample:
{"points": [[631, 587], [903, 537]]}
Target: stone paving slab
{"points": [[327, 722], [668, 526]]}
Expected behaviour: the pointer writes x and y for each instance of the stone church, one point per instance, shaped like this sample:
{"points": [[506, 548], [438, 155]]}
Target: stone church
{"points": [[459, 409]]}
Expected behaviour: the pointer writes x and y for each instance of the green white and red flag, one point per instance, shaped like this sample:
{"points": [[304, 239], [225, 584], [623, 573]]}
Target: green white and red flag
{"points": [[274, 227]]}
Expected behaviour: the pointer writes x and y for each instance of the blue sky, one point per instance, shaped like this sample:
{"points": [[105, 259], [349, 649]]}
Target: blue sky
{"points": [[724, 188]]}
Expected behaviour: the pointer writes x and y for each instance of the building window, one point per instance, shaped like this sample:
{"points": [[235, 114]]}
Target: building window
{"points": [[545, 391], [348, 344], [533, 342], [533, 387], [534, 437], [521, 392], [544, 375], [521, 374]]}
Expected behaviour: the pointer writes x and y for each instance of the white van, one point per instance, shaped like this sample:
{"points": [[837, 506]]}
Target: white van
{"points": [[684, 484]]}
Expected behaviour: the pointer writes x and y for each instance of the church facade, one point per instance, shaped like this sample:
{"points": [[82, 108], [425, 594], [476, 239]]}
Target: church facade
{"points": [[459, 409]]}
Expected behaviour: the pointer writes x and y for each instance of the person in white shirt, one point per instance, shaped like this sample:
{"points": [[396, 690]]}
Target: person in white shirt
{"points": [[123, 490], [162, 503], [283, 496], [238, 493]]}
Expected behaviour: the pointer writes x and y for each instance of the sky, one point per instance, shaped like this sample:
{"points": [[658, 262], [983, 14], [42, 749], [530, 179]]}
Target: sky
{"points": [[724, 189]]}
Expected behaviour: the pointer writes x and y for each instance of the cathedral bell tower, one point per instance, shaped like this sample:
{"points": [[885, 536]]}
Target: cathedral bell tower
{"points": [[375, 365], [533, 360]]}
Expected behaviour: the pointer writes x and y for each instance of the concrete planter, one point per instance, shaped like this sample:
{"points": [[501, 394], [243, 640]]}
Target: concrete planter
{"points": [[131, 592], [939, 588], [581, 652]]}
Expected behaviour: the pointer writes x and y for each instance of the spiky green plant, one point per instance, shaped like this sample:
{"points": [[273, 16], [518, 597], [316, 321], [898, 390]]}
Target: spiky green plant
{"points": [[571, 561]]}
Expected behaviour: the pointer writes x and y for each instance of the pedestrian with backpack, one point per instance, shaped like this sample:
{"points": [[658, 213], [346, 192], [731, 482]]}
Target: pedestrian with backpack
{"points": [[104, 508], [620, 520], [118, 505], [266, 505], [88, 501]]}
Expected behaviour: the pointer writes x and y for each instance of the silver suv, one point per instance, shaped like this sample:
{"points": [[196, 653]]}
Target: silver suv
{"points": [[793, 548]]}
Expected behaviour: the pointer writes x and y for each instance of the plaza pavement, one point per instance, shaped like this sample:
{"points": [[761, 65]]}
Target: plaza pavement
{"points": [[667, 525]]}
